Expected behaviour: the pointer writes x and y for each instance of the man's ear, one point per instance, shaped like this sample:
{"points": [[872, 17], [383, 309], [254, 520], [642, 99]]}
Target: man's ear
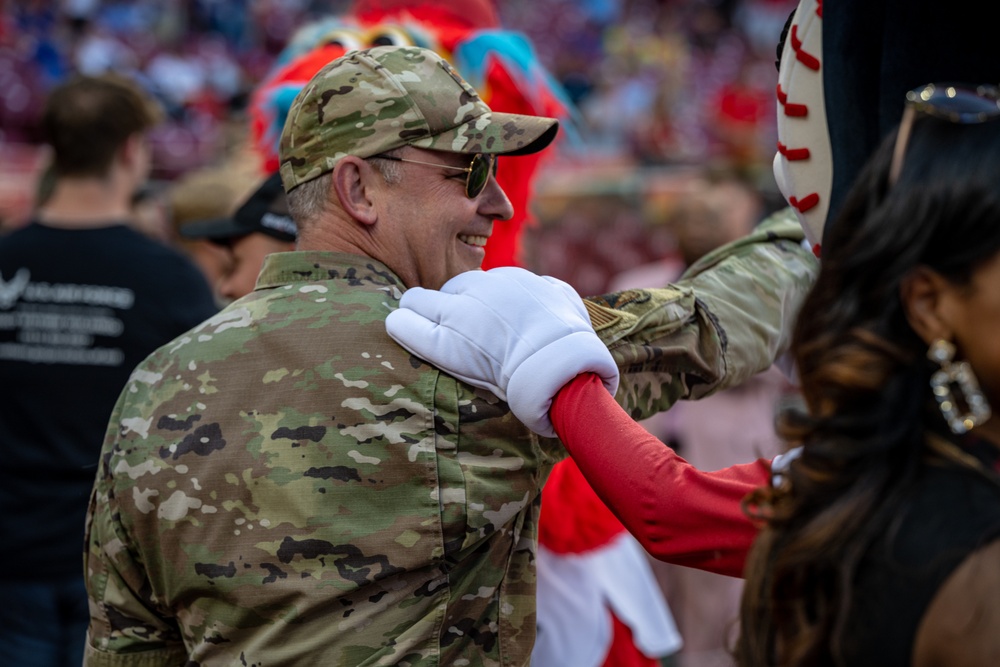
{"points": [[352, 181], [925, 294]]}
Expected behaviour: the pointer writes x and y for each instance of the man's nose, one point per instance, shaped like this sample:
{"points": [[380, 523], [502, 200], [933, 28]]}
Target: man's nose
{"points": [[493, 201]]}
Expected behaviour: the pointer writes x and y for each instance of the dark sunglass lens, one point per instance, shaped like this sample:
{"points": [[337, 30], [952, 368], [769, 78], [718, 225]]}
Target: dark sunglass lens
{"points": [[479, 174]]}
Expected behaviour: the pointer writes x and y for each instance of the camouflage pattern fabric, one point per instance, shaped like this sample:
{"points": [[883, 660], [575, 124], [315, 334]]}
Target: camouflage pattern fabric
{"points": [[284, 485], [373, 101]]}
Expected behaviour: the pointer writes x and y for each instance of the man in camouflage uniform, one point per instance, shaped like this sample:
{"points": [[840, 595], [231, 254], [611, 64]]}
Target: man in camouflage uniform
{"points": [[286, 485]]}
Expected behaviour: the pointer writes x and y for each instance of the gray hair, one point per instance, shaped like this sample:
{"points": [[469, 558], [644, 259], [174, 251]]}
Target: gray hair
{"points": [[311, 199], [391, 170]]}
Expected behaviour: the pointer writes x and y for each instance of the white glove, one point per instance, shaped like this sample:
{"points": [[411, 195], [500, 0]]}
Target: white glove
{"points": [[520, 335]]}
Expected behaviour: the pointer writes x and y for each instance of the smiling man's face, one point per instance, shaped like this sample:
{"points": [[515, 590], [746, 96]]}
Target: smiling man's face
{"points": [[435, 231]]}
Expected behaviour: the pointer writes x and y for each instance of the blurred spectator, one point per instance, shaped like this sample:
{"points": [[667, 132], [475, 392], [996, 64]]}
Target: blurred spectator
{"points": [[98, 50], [83, 299], [225, 80], [743, 111], [176, 76], [149, 213], [208, 194], [260, 226], [599, 223]]}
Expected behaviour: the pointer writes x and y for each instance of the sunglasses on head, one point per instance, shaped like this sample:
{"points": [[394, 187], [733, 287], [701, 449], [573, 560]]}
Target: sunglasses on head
{"points": [[477, 173], [954, 103]]}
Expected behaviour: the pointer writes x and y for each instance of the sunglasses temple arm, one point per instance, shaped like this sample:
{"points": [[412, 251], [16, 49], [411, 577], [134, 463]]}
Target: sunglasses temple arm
{"points": [[899, 150]]}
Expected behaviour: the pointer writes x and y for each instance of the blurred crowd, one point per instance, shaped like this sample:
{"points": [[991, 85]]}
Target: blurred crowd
{"points": [[664, 81], [199, 58], [657, 81]]}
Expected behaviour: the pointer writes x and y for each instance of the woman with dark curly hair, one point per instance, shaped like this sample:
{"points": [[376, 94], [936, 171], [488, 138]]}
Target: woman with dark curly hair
{"points": [[882, 545]]}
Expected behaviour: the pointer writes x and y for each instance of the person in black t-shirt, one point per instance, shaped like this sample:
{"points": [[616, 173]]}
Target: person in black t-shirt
{"points": [[83, 299]]}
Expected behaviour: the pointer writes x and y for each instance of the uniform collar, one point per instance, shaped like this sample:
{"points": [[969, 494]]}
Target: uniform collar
{"points": [[284, 268]]}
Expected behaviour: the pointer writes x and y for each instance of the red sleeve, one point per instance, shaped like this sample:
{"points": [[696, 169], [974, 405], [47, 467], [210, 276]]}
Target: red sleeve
{"points": [[678, 513]]}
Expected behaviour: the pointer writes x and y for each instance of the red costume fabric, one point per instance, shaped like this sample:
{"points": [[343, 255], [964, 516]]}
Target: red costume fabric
{"points": [[678, 513], [566, 493]]}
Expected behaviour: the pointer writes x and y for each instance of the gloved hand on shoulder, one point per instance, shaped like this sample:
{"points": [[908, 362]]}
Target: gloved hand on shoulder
{"points": [[520, 335]]}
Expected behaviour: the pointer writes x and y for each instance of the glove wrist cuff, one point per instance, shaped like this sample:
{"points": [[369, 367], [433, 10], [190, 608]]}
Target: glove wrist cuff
{"points": [[537, 379]]}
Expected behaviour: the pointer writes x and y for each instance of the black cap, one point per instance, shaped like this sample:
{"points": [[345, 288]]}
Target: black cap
{"points": [[265, 212]]}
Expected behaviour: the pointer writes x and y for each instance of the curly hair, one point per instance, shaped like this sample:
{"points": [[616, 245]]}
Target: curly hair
{"points": [[864, 376]]}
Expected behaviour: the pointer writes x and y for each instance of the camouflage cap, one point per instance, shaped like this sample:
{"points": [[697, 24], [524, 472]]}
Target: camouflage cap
{"points": [[369, 102]]}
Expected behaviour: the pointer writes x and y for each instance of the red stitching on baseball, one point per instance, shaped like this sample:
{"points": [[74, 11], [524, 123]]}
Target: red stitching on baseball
{"points": [[796, 110], [791, 109], [793, 154], [806, 203], [819, 12], [807, 59]]}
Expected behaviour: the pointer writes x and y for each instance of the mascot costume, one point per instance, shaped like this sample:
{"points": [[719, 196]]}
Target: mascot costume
{"points": [[598, 601], [844, 71]]}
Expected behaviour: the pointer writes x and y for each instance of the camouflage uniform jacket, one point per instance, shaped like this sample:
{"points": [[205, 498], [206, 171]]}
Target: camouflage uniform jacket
{"points": [[729, 317], [284, 485]]}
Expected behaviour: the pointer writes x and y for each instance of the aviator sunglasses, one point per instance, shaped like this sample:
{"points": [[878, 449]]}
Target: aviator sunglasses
{"points": [[477, 173], [955, 103]]}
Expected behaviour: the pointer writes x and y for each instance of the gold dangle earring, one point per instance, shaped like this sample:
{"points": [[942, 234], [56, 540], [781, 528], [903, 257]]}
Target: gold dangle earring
{"points": [[955, 386]]}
